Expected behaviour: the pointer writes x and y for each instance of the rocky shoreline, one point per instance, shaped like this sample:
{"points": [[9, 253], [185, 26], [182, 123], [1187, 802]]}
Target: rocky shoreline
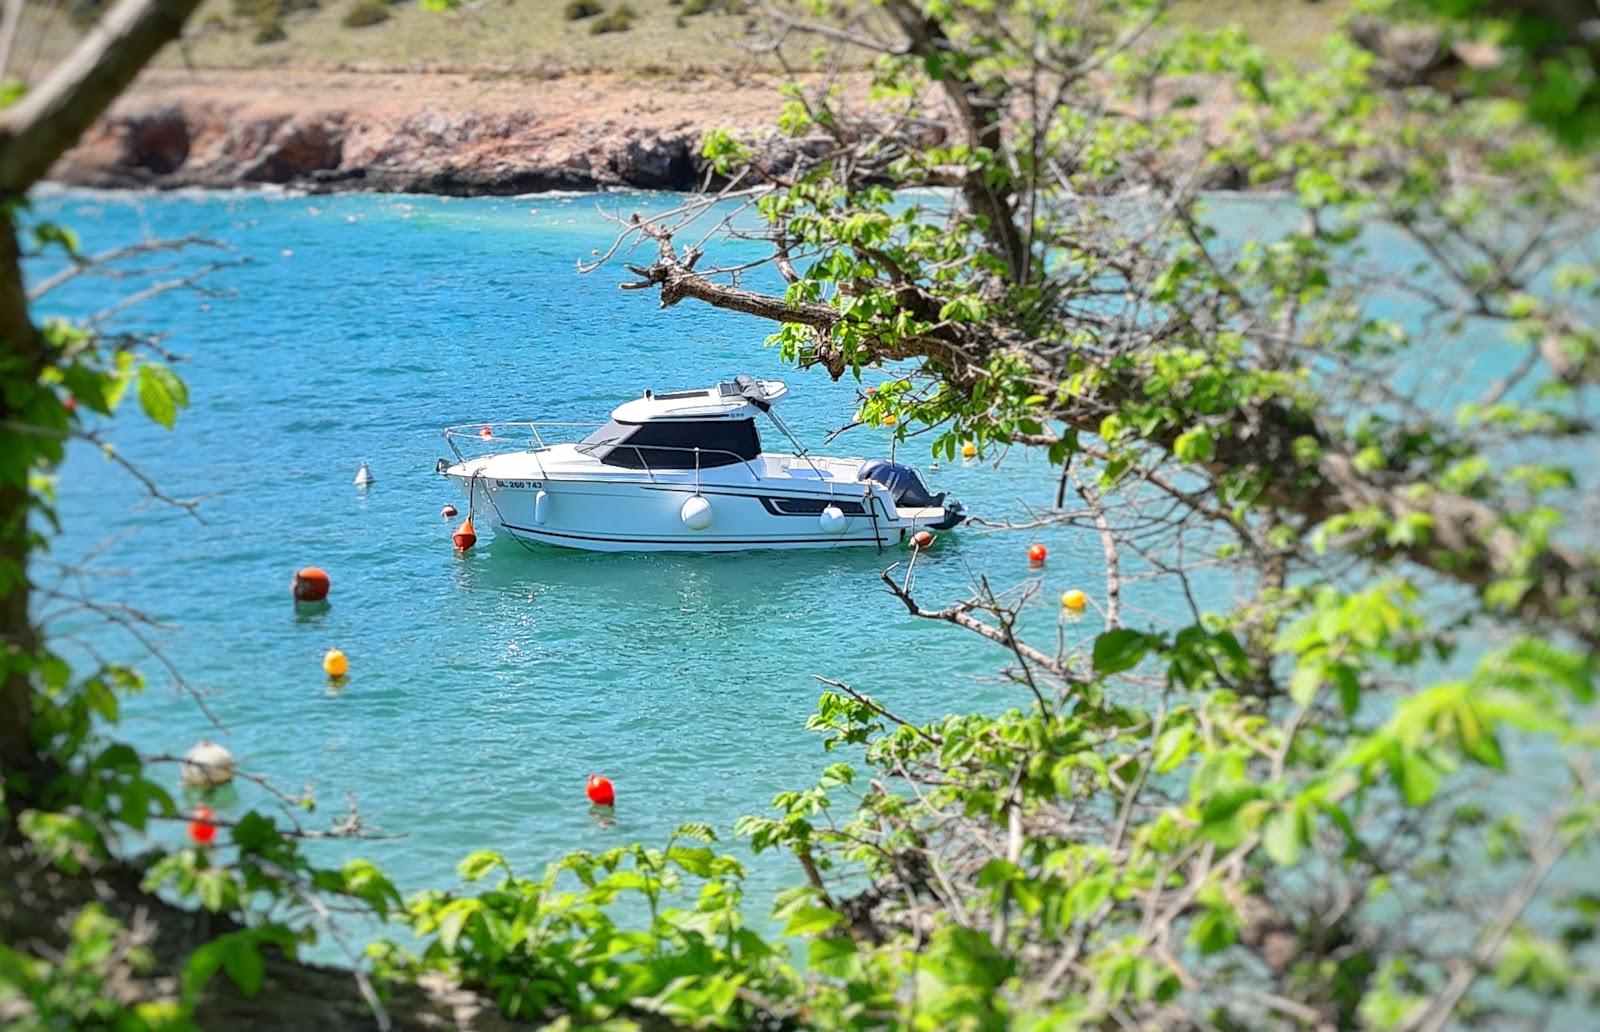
{"points": [[418, 133]]}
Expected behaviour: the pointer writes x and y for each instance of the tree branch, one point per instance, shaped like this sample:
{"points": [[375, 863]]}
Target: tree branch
{"points": [[48, 120]]}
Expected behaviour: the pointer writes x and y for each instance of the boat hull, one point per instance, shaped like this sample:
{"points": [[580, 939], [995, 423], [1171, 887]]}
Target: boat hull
{"points": [[628, 515]]}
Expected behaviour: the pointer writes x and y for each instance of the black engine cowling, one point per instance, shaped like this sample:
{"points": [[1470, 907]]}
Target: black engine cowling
{"points": [[903, 484]]}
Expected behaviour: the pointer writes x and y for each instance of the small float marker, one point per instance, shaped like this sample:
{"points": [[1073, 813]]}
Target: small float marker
{"points": [[486, 432], [335, 664], [207, 765], [310, 584], [600, 791], [448, 512], [1037, 554], [201, 829], [1074, 600], [921, 539], [363, 476], [969, 450], [465, 537]]}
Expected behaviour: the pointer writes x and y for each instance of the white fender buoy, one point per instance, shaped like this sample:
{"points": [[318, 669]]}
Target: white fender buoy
{"points": [[363, 476], [696, 513], [207, 765], [541, 507], [832, 520]]}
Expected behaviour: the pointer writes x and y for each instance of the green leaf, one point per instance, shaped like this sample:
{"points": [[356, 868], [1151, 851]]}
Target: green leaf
{"points": [[1280, 837], [480, 863], [812, 921], [1121, 649], [244, 965], [161, 394]]}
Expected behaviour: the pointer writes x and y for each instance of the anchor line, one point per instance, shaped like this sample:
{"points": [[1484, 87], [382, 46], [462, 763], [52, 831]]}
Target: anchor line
{"points": [[872, 510], [472, 493]]}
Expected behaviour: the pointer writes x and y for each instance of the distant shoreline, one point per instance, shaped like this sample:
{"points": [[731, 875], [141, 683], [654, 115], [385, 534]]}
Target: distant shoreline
{"points": [[445, 133], [430, 133]]}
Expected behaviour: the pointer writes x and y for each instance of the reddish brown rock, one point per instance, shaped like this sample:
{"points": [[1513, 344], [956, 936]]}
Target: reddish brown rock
{"points": [[428, 133]]}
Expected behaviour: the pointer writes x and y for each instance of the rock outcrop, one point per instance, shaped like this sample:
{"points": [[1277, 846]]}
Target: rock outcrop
{"points": [[409, 133]]}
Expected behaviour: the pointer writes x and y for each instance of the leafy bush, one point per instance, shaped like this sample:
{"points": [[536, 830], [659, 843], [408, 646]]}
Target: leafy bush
{"points": [[620, 20], [269, 32], [580, 9], [364, 13], [694, 7]]}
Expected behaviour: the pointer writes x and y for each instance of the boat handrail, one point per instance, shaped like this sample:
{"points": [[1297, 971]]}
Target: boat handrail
{"points": [[474, 432]]}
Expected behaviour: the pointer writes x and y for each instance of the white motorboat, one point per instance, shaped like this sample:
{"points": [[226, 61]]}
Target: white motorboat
{"points": [[684, 471]]}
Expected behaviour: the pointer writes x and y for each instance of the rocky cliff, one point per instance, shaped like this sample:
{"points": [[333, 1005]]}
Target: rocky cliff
{"points": [[425, 133]]}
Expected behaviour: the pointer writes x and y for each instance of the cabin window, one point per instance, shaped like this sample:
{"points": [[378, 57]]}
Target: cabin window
{"points": [[670, 444]]}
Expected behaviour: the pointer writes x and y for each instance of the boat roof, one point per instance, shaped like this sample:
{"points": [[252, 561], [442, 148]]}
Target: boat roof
{"points": [[739, 398]]}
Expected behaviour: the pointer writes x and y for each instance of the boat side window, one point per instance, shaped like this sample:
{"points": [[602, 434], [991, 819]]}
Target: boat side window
{"points": [[670, 444]]}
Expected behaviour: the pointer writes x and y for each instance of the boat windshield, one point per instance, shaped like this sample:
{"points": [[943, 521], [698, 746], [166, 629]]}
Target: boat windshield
{"points": [[671, 444]]}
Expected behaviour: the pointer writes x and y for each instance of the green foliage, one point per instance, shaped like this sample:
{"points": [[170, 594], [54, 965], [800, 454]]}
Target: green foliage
{"points": [[266, 17], [554, 946], [694, 7], [1547, 56], [365, 12], [619, 20], [269, 32], [69, 991]]}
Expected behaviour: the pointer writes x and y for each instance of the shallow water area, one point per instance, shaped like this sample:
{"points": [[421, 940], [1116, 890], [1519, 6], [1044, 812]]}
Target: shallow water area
{"points": [[484, 688]]}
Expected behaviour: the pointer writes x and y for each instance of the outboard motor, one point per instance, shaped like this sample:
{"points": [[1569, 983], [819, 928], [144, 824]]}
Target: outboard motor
{"points": [[908, 491]]}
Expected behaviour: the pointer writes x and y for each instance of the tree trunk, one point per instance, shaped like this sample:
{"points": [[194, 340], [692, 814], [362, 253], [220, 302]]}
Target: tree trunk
{"points": [[21, 361]]}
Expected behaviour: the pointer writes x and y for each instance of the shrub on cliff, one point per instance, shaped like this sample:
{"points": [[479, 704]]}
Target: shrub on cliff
{"points": [[620, 20], [269, 32], [364, 13], [580, 9], [693, 7]]}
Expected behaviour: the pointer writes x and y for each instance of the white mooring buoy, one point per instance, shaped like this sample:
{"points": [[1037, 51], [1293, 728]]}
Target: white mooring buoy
{"points": [[207, 764], [363, 476]]}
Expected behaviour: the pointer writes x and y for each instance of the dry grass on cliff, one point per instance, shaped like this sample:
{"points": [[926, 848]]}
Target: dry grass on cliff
{"points": [[534, 38]]}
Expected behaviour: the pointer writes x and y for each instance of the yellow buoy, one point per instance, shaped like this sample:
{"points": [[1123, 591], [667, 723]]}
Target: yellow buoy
{"points": [[969, 450], [334, 663], [1074, 600], [889, 420]]}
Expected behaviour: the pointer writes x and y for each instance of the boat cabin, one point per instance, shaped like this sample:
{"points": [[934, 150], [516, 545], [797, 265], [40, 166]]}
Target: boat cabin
{"points": [[714, 426]]}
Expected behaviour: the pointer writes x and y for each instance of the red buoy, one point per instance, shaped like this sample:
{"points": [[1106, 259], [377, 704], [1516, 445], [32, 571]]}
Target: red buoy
{"points": [[1037, 553], [448, 512], [921, 539], [70, 403], [486, 432], [600, 791], [201, 830], [311, 584], [464, 536]]}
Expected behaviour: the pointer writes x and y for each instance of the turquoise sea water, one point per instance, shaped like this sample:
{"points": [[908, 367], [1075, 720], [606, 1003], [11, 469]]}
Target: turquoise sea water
{"points": [[484, 689]]}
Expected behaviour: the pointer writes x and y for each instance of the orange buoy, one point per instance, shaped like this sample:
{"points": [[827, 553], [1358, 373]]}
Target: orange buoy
{"points": [[921, 539], [1037, 553], [1074, 600], [601, 793], [311, 584], [448, 512], [486, 432], [201, 829], [335, 664], [465, 537], [889, 420], [969, 450]]}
